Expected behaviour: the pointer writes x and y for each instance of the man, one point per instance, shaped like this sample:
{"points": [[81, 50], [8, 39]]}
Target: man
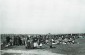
{"points": [[19, 40], [40, 41], [15, 40], [28, 45], [7, 39], [50, 43]]}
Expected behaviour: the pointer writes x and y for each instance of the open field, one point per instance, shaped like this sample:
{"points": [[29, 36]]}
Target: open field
{"points": [[68, 49], [73, 49]]}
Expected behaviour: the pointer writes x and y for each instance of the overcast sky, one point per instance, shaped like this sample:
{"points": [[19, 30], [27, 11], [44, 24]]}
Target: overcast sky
{"points": [[42, 16]]}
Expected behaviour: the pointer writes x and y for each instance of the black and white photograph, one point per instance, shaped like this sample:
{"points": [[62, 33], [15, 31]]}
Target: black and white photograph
{"points": [[42, 27]]}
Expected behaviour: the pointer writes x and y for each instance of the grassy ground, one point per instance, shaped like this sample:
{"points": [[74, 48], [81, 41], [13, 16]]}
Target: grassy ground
{"points": [[69, 49], [73, 49]]}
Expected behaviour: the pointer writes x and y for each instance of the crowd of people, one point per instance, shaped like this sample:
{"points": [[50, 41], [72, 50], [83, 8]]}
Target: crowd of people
{"points": [[34, 41]]}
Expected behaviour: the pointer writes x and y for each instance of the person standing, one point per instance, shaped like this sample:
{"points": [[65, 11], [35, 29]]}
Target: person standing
{"points": [[28, 44], [35, 42], [50, 40], [40, 41], [7, 39], [20, 41], [15, 40], [50, 43]]}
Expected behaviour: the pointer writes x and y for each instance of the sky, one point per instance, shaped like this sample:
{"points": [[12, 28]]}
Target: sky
{"points": [[42, 16]]}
